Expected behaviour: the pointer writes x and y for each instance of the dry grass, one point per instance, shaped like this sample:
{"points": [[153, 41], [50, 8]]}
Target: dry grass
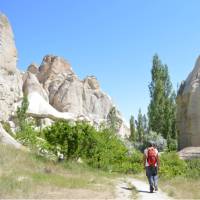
{"points": [[178, 188], [181, 188], [25, 175]]}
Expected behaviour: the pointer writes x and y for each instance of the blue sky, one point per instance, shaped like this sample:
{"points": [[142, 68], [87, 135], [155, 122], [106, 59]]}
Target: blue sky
{"points": [[114, 40]]}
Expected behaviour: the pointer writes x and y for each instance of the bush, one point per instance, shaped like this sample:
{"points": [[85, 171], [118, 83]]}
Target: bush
{"points": [[62, 138], [7, 127], [171, 165], [100, 149], [159, 141], [172, 144], [193, 168]]}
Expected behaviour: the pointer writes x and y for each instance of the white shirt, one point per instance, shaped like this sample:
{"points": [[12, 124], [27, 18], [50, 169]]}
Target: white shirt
{"points": [[146, 154]]}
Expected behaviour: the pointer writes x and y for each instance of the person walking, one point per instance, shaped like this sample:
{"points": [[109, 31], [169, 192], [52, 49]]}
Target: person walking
{"points": [[152, 164]]}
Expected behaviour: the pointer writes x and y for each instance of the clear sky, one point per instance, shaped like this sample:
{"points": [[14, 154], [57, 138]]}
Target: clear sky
{"points": [[114, 40]]}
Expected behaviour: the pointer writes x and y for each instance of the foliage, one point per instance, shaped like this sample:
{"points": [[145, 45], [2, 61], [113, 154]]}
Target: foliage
{"points": [[132, 129], [7, 127], [172, 144], [145, 124], [140, 127], [22, 113], [171, 165], [114, 122], [62, 137], [100, 149], [193, 168], [162, 107], [26, 136], [26, 133], [157, 139]]}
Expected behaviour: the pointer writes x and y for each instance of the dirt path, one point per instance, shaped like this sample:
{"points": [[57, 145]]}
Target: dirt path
{"points": [[124, 190]]}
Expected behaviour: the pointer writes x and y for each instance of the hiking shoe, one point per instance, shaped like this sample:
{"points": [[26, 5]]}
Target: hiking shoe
{"points": [[151, 189], [156, 188]]}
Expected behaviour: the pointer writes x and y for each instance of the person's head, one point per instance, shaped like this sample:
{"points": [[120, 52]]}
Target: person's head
{"points": [[151, 144]]}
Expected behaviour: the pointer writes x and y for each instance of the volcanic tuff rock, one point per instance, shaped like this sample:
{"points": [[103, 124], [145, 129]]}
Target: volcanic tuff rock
{"points": [[54, 90], [10, 78], [8, 51], [7, 139], [57, 83], [188, 109], [69, 94]]}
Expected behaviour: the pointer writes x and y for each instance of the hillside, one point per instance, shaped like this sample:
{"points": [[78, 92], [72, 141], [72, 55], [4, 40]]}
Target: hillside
{"points": [[25, 175]]}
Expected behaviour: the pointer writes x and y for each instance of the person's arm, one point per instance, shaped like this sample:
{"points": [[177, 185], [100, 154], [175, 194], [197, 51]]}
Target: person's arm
{"points": [[144, 160], [158, 161]]}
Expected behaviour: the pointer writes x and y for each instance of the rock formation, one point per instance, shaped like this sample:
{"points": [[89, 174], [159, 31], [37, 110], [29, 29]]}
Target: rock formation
{"points": [[10, 78], [55, 91], [189, 153], [7, 139], [188, 109]]}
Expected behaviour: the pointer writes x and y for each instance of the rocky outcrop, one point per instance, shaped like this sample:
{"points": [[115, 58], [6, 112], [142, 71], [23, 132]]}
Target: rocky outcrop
{"points": [[54, 91], [8, 52], [64, 93], [40, 108], [69, 94], [189, 153], [8, 139], [31, 84], [188, 109], [10, 79]]}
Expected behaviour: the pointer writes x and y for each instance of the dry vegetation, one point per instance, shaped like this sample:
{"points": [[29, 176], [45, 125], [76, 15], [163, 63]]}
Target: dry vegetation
{"points": [[25, 175], [181, 188]]}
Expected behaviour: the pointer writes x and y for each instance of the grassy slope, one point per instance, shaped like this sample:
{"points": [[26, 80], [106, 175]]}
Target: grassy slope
{"points": [[24, 175]]}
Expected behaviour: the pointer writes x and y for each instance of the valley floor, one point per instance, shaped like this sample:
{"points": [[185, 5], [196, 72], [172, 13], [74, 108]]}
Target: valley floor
{"points": [[23, 175]]}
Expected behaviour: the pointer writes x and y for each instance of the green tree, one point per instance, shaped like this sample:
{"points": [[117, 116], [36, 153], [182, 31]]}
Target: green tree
{"points": [[145, 123], [162, 107], [114, 122], [22, 113], [132, 129], [140, 128]]}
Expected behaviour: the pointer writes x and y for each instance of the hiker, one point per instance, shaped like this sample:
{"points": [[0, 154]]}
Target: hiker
{"points": [[151, 164]]}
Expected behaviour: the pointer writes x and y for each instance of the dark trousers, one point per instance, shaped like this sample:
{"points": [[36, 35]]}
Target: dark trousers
{"points": [[152, 175]]}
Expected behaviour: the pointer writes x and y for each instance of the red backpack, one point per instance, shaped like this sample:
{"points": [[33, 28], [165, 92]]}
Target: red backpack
{"points": [[152, 157]]}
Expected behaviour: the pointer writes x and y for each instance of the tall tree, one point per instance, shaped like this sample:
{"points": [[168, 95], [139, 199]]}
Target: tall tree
{"points": [[113, 121], [145, 123], [140, 128], [132, 129], [22, 113], [162, 107]]}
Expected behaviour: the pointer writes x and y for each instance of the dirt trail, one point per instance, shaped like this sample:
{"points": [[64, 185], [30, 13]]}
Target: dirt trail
{"points": [[124, 191]]}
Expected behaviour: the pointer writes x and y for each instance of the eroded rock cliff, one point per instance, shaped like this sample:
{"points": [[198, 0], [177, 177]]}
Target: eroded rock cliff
{"points": [[54, 90], [188, 109], [10, 78], [55, 81]]}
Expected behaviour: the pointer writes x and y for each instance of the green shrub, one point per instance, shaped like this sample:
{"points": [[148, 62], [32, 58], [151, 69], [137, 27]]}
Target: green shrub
{"points": [[193, 168], [172, 144], [159, 141], [7, 127], [22, 113], [100, 149], [171, 165]]}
